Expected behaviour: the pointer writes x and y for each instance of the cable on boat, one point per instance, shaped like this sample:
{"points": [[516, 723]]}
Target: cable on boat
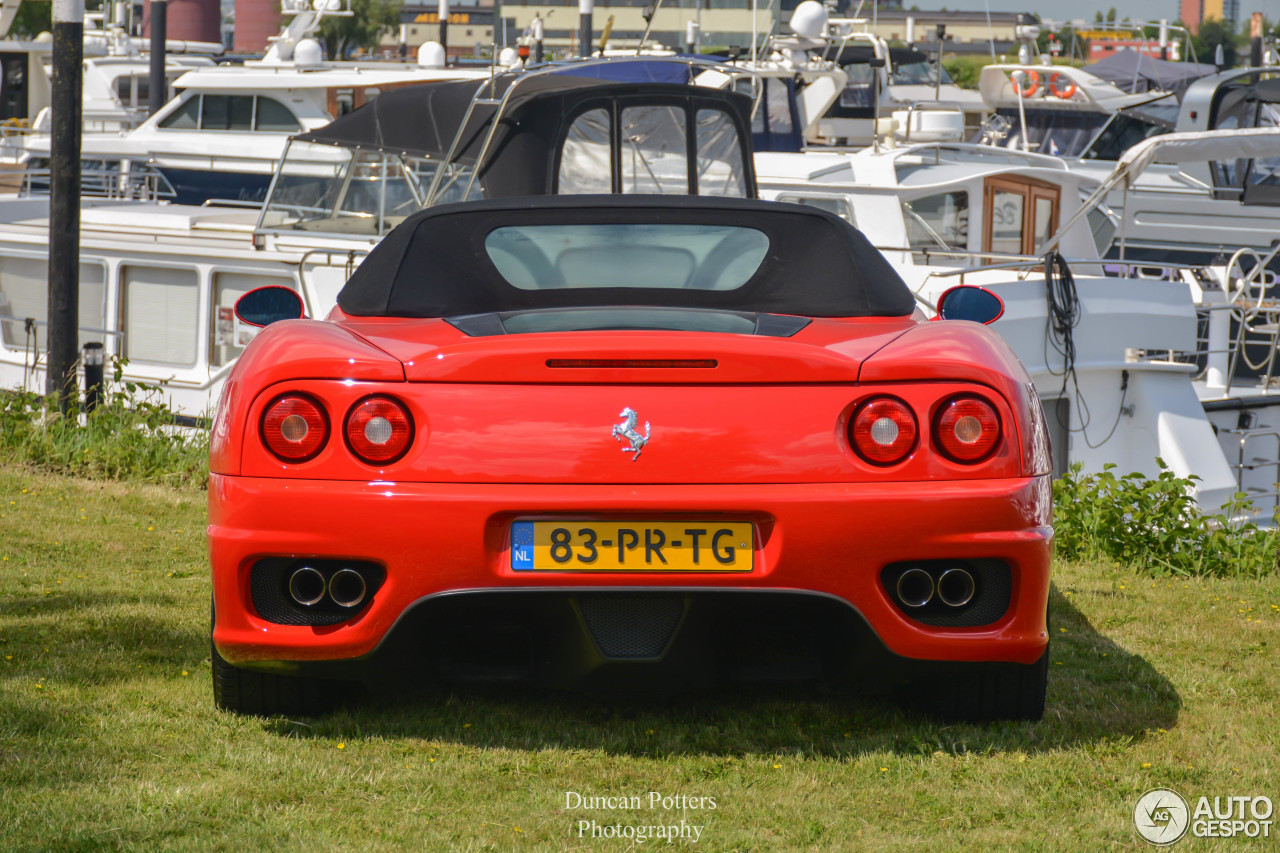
{"points": [[1064, 315]]}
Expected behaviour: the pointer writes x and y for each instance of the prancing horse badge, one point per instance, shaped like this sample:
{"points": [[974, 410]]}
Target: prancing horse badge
{"points": [[627, 429]]}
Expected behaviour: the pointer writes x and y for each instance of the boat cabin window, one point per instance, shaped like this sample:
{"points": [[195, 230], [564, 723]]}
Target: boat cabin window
{"points": [[274, 117], [13, 85], [919, 74], [229, 336], [831, 203], [160, 309], [1019, 215], [1130, 126], [653, 157], [1251, 181], [232, 112], [719, 155], [1054, 132], [135, 91], [24, 293], [584, 157], [937, 223], [185, 117]]}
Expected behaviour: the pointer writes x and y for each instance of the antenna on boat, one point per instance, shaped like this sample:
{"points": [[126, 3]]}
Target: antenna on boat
{"points": [[991, 33], [649, 13]]}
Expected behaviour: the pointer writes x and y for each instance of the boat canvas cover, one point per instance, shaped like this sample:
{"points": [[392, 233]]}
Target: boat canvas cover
{"points": [[435, 263], [424, 119], [1193, 147], [1136, 73]]}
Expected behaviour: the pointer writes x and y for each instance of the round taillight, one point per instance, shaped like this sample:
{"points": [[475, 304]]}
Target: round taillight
{"points": [[968, 429], [883, 430], [379, 429], [295, 427]]}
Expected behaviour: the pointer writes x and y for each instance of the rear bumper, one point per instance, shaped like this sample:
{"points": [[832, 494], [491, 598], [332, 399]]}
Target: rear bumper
{"points": [[439, 541]]}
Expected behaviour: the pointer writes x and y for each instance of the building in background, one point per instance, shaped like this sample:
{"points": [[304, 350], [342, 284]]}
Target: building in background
{"points": [[718, 23], [189, 20], [471, 30], [256, 22], [1196, 12]]}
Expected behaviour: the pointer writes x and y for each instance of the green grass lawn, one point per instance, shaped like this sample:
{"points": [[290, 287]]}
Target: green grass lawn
{"points": [[109, 739]]}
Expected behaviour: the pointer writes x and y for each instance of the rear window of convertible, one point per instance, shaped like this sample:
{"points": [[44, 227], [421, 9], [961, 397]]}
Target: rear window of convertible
{"points": [[695, 257]]}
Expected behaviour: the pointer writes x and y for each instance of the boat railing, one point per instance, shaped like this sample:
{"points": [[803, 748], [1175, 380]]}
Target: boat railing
{"points": [[143, 184]]}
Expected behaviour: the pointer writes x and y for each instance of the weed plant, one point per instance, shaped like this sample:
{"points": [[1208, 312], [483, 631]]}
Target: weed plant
{"points": [[1155, 526], [131, 435]]}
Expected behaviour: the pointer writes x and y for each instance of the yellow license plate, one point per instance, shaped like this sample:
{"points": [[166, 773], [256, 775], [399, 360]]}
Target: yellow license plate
{"points": [[632, 546]]}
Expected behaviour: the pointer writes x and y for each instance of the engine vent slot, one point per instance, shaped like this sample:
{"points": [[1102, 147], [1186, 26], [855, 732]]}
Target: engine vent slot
{"points": [[631, 627]]}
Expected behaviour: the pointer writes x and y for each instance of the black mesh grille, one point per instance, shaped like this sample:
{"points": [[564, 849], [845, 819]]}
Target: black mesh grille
{"points": [[992, 591], [631, 626], [269, 587]]}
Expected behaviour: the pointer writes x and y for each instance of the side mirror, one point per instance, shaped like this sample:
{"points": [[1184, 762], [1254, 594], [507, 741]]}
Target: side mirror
{"points": [[265, 305], [967, 302]]}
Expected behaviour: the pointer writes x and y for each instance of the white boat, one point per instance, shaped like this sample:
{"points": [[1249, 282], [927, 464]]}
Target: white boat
{"points": [[158, 280], [116, 76], [1118, 362], [221, 138]]}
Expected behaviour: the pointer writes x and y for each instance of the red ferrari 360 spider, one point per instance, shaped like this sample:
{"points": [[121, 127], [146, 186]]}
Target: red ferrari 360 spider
{"points": [[612, 440]]}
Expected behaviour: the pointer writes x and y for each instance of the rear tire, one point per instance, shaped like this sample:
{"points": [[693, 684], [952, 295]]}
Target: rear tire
{"points": [[985, 693], [264, 693]]}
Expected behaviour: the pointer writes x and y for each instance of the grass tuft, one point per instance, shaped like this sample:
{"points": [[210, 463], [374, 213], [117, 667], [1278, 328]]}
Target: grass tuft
{"points": [[1156, 527], [131, 435]]}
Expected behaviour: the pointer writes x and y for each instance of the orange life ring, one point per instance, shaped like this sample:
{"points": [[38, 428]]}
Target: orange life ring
{"points": [[1063, 92], [1030, 84]]}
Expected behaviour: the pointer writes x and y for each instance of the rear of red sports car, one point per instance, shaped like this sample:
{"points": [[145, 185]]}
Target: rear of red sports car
{"points": [[616, 443]]}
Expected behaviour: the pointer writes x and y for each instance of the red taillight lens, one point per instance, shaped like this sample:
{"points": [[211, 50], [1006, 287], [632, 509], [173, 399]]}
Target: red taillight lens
{"points": [[295, 427], [883, 430], [968, 429], [379, 429]]}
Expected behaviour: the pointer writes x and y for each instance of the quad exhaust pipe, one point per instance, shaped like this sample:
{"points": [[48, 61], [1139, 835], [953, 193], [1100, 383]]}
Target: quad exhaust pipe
{"points": [[306, 586], [915, 588], [955, 587], [346, 587]]}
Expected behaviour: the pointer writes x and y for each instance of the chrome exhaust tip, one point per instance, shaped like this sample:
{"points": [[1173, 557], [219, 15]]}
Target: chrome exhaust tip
{"points": [[915, 588], [306, 586], [347, 588], [956, 588]]}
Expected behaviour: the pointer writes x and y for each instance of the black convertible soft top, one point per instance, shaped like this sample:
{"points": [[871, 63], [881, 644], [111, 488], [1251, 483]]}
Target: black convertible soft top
{"points": [[435, 264]]}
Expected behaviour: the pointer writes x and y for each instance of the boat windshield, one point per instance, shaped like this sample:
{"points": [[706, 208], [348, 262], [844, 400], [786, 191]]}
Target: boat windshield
{"points": [[919, 74], [339, 190]]}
